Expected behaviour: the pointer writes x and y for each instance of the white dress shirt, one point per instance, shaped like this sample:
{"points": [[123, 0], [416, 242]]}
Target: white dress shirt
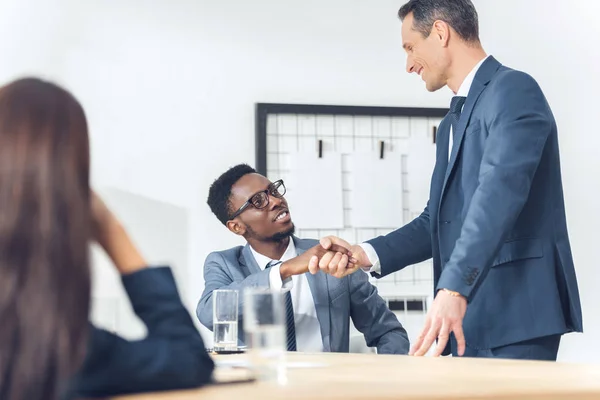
{"points": [[308, 329], [463, 90]]}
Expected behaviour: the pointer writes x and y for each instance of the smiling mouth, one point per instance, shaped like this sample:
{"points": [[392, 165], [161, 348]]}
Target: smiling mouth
{"points": [[283, 214]]}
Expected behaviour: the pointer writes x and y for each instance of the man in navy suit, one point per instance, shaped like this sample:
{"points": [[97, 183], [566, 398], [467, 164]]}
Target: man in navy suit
{"points": [[495, 225], [318, 306]]}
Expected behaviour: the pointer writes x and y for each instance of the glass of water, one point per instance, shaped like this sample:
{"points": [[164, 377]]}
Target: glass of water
{"points": [[264, 330], [225, 320]]}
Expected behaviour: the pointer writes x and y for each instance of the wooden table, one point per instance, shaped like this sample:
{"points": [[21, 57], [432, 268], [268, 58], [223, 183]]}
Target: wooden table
{"points": [[362, 376]]}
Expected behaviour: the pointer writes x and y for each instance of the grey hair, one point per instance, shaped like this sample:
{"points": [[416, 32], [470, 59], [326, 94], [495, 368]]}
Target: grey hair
{"points": [[459, 14]]}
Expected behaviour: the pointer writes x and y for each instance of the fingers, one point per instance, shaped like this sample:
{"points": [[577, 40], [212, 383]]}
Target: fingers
{"points": [[328, 241], [460, 339], [325, 261], [338, 266], [335, 257], [313, 265], [443, 337], [444, 317], [335, 248], [429, 338], [421, 337], [344, 251], [334, 263], [339, 249]]}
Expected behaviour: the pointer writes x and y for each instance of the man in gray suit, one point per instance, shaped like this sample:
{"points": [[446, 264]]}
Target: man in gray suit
{"points": [[495, 224], [319, 306]]}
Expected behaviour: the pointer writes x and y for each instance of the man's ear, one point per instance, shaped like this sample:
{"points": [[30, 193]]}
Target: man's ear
{"points": [[236, 227], [441, 30]]}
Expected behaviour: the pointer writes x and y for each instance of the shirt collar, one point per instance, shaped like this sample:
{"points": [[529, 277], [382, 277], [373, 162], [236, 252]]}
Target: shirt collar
{"points": [[465, 86], [263, 261]]}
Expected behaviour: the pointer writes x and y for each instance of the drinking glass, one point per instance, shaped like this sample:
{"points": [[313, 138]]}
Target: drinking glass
{"points": [[264, 330], [225, 320]]}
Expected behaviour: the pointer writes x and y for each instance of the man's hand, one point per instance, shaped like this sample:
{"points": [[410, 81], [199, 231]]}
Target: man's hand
{"points": [[336, 264], [445, 316], [301, 264]]}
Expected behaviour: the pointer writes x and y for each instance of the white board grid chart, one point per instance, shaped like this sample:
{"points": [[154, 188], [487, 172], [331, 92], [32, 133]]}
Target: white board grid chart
{"points": [[407, 137]]}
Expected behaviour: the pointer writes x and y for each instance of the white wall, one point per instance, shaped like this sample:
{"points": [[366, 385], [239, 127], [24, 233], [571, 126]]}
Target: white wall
{"points": [[169, 88], [161, 232]]}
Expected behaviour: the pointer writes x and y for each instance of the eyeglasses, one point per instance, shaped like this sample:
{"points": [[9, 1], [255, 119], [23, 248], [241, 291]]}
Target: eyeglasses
{"points": [[260, 200]]}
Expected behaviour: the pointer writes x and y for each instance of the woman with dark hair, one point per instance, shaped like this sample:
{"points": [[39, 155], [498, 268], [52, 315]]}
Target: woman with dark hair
{"points": [[48, 215]]}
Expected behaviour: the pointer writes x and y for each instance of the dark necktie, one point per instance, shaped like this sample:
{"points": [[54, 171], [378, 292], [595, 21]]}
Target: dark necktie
{"points": [[289, 315], [454, 113]]}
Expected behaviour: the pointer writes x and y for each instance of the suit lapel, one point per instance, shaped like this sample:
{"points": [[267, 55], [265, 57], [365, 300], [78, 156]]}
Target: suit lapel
{"points": [[441, 165], [248, 261], [476, 89], [482, 78], [320, 292]]}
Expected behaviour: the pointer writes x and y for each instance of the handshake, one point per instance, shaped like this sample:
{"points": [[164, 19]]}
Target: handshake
{"points": [[333, 256]]}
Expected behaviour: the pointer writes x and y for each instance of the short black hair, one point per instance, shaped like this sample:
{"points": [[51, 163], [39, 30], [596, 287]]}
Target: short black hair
{"points": [[459, 14], [219, 194]]}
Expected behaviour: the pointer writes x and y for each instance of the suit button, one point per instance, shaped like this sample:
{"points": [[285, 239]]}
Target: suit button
{"points": [[470, 275]]}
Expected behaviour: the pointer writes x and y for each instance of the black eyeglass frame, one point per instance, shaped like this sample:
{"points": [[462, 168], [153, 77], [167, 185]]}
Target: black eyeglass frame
{"points": [[271, 190]]}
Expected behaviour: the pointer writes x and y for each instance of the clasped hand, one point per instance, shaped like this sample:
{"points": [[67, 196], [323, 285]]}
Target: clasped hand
{"points": [[334, 262]]}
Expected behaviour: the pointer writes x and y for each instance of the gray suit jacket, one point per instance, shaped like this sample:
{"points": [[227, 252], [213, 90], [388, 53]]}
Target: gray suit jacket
{"points": [[336, 300], [495, 222]]}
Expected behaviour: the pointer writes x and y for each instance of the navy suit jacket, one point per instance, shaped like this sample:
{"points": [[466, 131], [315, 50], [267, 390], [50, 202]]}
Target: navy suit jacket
{"points": [[172, 356], [495, 222], [336, 300]]}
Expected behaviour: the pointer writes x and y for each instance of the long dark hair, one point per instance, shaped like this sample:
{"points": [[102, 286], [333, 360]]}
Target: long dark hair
{"points": [[44, 233]]}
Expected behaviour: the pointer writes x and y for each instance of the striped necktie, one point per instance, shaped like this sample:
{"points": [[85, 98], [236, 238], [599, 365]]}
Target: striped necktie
{"points": [[289, 316]]}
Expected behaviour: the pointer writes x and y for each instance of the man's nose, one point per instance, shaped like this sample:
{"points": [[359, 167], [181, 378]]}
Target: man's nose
{"points": [[410, 65], [274, 201]]}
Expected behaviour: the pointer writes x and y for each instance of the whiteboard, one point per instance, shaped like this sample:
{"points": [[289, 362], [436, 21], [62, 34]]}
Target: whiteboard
{"points": [[408, 137]]}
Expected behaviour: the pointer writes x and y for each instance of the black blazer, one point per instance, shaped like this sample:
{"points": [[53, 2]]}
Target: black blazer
{"points": [[172, 356]]}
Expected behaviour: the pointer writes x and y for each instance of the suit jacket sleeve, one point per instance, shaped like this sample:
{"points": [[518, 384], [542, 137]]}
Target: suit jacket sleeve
{"points": [[216, 277], [373, 318], [519, 125], [408, 245], [171, 356]]}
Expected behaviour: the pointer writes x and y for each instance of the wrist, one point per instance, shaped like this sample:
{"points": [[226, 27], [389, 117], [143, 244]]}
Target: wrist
{"points": [[364, 262], [106, 231], [288, 268], [452, 293], [365, 255]]}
